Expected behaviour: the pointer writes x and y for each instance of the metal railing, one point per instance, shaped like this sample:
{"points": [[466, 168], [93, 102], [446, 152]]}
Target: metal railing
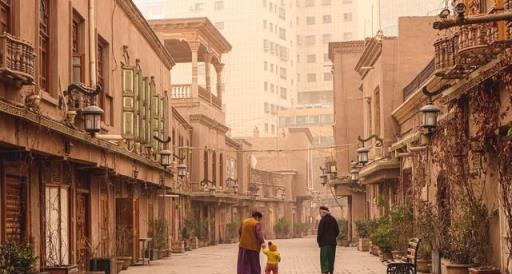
{"points": [[419, 79]]}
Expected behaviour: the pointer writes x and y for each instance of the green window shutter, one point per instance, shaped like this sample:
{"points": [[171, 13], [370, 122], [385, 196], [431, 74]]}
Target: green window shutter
{"points": [[143, 113], [128, 103], [136, 92], [162, 120], [151, 113]]}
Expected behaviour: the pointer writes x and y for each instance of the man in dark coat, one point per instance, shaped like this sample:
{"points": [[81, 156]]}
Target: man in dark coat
{"points": [[328, 230]]}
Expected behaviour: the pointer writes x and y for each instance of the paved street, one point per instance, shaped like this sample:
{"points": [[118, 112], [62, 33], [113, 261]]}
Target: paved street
{"points": [[299, 256]]}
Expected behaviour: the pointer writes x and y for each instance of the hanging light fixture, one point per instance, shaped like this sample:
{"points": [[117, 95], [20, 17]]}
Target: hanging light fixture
{"points": [[354, 174], [182, 170], [165, 158], [429, 115], [92, 118], [362, 155]]}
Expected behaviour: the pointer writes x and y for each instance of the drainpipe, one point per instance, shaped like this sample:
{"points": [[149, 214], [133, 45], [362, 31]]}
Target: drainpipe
{"points": [[92, 43]]}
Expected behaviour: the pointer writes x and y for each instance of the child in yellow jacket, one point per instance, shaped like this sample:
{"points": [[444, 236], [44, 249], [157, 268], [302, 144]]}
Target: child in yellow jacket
{"points": [[273, 258]]}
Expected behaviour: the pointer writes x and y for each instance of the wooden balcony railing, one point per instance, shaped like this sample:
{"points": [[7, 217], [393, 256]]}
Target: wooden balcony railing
{"points": [[419, 79], [470, 47], [16, 61]]}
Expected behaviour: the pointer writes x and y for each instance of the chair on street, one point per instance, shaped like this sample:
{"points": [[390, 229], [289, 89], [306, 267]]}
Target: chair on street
{"points": [[407, 265]]}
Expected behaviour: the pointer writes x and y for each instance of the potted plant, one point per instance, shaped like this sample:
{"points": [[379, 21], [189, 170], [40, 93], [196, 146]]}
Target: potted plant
{"points": [[342, 238], [123, 241], [232, 231], [16, 259], [282, 228], [97, 264], [158, 232], [362, 233], [467, 237], [383, 236]]}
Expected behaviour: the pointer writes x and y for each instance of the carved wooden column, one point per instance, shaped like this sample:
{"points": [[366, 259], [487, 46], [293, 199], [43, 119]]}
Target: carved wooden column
{"points": [[207, 64], [218, 69], [194, 47]]}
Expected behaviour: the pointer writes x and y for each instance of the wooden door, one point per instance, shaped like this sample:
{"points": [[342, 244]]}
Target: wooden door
{"points": [[82, 230], [14, 208], [127, 227]]}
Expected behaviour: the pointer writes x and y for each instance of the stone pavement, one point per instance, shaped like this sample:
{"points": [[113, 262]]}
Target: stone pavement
{"points": [[299, 256]]}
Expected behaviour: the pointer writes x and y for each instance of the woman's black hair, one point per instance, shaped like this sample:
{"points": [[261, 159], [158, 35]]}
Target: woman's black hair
{"points": [[257, 214]]}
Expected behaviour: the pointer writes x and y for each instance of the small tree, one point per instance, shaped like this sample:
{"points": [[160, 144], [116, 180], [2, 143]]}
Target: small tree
{"points": [[282, 228], [343, 227], [158, 232]]}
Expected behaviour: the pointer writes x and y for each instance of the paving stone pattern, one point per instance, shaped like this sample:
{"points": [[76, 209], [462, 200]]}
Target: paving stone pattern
{"points": [[299, 256]]}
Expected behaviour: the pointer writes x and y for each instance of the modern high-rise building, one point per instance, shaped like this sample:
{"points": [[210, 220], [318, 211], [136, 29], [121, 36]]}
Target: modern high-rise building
{"points": [[375, 15], [260, 78], [318, 23]]}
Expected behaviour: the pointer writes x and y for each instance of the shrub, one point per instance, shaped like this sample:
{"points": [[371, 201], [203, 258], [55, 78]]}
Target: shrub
{"points": [[16, 259], [158, 232], [384, 235], [362, 229], [282, 228], [343, 227], [232, 229]]}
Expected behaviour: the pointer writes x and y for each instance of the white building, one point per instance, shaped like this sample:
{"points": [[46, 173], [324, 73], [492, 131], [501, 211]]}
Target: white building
{"points": [[260, 75], [375, 15]]}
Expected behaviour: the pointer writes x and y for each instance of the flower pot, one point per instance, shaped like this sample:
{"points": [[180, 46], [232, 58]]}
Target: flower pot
{"points": [[375, 250], [363, 245], [127, 261], [424, 266], [100, 264], [163, 253], [386, 256], [447, 267], [484, 270], [66, 269], [119, 265], [178, 247]]}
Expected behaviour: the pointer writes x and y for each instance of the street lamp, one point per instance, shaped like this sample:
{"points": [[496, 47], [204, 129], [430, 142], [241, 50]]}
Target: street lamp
{"points": [[430, 111], [233, 183], [362, 152], [167, 155], [354, 174], [323, 177], [209, 185], [91, 113], [92, 118]]}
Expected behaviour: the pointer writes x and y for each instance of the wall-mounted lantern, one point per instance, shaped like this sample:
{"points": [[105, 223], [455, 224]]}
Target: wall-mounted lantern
{"points": [[91, 113], [430, 112], [362, 152], [166, 157]]}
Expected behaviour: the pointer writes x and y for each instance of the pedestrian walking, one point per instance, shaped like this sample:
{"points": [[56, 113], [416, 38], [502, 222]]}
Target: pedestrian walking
{"points": [[328, 230], [251, 239], [273, 258]]}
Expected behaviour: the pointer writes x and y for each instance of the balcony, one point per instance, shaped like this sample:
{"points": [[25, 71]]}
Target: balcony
{"points": [[16, 61], [419, 79], [468, 48], [185, 92]]}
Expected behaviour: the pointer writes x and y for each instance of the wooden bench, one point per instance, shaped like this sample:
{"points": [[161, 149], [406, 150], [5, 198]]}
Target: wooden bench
{"points": [[407, 265]]}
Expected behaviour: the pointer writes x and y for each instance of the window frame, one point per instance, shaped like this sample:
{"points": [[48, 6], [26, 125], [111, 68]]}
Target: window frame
{"points": [[44, 34]]}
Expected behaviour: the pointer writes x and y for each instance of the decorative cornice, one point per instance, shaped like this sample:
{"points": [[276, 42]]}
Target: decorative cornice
{"points": [[370, 173], [147, 32], [73, 134], [232, 143], [372, 51], [345, 47], [209, 122], [178, 117], [202, 25]]}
